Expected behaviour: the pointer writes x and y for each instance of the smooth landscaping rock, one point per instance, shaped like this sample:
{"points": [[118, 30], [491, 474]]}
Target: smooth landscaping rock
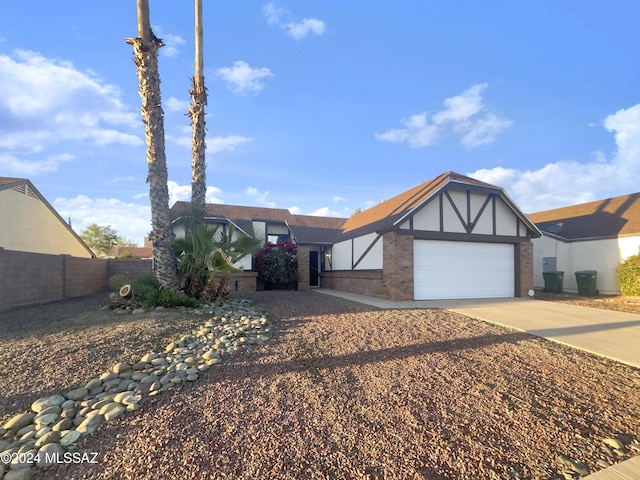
{"points": [[90, 424], [45, 402], [18, 421], [48, 454], [77, 394]]}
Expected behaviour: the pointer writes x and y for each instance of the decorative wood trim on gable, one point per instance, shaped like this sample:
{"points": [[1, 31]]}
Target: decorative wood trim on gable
{"points": [[467, 237], [367, 250], [468, 223]]}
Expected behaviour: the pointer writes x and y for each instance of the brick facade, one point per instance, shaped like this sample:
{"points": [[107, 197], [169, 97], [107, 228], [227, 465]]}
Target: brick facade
{"points": [[303, 267], [524, 268], [395, 281], [363, 282], [397, 261]]}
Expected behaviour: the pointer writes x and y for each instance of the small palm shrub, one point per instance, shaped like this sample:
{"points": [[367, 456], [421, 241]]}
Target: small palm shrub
{"points": [[147, 295], [628, 276]]}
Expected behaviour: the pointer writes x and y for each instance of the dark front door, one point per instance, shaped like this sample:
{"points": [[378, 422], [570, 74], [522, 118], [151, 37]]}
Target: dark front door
{"points": [[314, 279]]}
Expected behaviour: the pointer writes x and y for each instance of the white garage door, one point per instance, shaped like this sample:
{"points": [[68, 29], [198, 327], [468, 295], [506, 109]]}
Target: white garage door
{"points": [[445, 269]]}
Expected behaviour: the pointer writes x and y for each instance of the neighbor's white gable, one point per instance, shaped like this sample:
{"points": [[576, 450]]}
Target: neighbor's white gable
{"points": [[28, 225]]}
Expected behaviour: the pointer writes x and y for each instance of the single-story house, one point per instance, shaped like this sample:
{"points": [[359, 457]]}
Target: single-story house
{"points": [[31, 224], [450, 237], [591, 236]]}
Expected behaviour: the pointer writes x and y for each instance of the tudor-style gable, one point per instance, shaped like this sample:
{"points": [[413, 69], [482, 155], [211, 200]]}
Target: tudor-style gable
{"points": [[448, 204], [460, 211]]}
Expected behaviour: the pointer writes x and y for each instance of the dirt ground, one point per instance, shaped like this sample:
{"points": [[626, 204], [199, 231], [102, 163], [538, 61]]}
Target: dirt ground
{"points": [[342, 390], [618, 303]]}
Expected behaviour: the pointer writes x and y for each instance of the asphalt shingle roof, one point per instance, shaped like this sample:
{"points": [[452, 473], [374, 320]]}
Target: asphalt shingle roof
{"points": [[612, 217]]}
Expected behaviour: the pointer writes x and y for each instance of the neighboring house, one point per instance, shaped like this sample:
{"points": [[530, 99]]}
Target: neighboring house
{"points": [[590, 236], [30, 224], [450, 237]]}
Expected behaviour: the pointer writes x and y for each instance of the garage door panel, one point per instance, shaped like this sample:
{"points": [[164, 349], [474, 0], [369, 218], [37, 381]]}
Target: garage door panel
{"points": [[445, 269]]}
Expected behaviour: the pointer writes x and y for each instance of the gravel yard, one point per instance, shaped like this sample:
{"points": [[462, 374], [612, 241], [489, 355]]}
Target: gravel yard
{"points": [[342, 390]]}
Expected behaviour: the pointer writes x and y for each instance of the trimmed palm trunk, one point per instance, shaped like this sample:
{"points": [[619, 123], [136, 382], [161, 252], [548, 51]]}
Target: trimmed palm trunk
{"points": [[196, 113], [145, 56]]}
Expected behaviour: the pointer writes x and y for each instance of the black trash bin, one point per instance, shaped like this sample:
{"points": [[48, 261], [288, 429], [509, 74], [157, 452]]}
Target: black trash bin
{"points": [[587, 281], [553, 281]]}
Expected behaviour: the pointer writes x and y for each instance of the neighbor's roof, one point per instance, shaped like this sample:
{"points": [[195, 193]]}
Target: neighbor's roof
{"points": [[305, 228], [136, 252], [612, 217], [10, 182], [387, 214]]}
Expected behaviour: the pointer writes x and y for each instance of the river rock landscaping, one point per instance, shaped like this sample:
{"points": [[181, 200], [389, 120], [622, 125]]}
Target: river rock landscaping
{"points": [[333, 389]]}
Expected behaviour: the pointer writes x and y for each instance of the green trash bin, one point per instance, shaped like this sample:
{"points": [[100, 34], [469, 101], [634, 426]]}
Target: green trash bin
{"points": [[587, 281], [553, 281]]}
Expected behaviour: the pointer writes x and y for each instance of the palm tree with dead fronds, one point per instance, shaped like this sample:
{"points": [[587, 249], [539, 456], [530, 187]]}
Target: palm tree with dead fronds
{"points": [[145, 56], [198, 94]]}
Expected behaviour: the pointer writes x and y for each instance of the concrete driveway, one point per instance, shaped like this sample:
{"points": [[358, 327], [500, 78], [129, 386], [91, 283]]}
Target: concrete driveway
{"points": [[614, 335]]}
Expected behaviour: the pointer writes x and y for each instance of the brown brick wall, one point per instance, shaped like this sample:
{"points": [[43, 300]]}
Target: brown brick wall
{"points": [[243, 282], [363, 282], [397, 251], [394, 282], [303, 267], [524, 268]]}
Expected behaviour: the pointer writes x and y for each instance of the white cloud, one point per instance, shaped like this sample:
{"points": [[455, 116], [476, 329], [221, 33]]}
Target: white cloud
{"points": [[172, 104], [568, 182], [337, 199], [242, 78], [130, 220], [46, 102], [295, 29], [299, 30], [171, 42], [179, 192], [295, 210], [11, 165], [464, 115], [228, 143], [214, 145], [260, 197]]}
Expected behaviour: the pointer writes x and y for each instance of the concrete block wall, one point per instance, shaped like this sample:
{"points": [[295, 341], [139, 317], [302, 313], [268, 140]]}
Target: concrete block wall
{"points": [[27, 278], [133, 268], [83, 276]]}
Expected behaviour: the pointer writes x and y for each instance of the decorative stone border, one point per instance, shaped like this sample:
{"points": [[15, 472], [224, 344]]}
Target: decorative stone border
{"points": [[56, 423]]}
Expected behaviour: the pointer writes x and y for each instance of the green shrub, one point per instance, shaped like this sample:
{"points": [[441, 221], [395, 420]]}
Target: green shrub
{"points": [[147, 295], [116, 282], [628, 276]]}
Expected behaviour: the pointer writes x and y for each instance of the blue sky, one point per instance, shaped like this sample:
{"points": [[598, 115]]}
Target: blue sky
{"points": [[325, 107]]}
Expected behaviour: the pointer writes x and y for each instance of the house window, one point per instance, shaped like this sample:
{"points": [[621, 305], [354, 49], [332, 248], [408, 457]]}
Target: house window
{"points": [[278, 234], [278, 238]]}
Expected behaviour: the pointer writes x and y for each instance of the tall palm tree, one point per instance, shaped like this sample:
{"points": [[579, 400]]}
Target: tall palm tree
{"points": [[145, 56], [198, 94]]}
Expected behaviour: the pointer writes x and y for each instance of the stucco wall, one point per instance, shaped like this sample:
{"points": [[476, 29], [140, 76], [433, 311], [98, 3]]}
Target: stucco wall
{"points": [[28, 225], [600, 255]]}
